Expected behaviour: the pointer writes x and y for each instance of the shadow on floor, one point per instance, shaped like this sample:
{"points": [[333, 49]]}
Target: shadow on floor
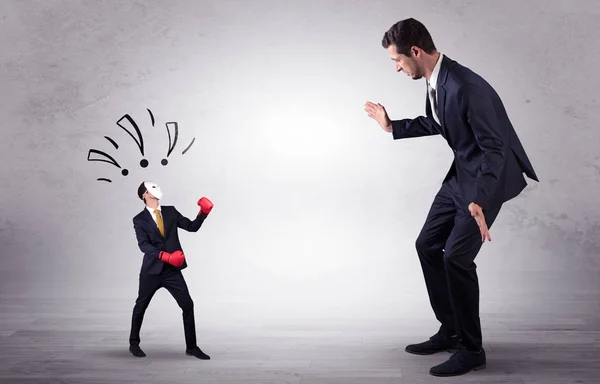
{"points": [[152, 352]]}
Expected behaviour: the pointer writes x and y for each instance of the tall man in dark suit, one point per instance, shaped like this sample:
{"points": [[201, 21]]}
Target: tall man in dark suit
{"points": [[156, 231], [489, 162]]}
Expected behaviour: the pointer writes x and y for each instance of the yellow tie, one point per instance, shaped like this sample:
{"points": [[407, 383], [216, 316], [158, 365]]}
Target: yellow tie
{"points": [[159, 221]]}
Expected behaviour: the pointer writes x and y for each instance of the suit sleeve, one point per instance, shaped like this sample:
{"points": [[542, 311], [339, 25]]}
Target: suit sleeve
{"points": [[190, 225], [417, 127], [478, 110], [144, 241]]}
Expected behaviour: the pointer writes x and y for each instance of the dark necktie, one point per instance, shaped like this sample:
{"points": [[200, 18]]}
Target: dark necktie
{"points": [[434, 100]]}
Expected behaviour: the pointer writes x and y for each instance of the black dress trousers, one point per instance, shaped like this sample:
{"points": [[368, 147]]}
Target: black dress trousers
{"points": [[447, 246], [172, 279]]}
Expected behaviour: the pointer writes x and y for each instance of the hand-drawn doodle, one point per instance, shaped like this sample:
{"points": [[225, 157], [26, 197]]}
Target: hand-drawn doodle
{"points": [[188, 147], [139, 140], [112, 142], [107, 159], [129, 125], [151, 116], [172, 145]]}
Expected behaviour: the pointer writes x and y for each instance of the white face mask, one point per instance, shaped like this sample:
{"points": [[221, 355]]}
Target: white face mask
{"points": [[153, 189]]}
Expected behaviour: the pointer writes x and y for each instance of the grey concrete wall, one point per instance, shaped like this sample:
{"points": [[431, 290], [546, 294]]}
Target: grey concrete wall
{"points": [[316, 208]]}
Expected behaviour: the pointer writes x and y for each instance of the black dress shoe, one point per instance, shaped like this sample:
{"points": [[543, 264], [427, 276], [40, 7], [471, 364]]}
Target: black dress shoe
{"points": [[461, 362], [197, 352], [136, 351], [436, 343]]}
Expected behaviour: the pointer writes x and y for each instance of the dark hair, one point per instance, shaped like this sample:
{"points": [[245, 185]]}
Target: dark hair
{"points": [[406, 34], [141, 190]]}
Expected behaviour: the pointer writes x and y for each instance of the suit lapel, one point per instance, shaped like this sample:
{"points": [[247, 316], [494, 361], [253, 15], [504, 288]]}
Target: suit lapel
{"points": [[441, 95]]}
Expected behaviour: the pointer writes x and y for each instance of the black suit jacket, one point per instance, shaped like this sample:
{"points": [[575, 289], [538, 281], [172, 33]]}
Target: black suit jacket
{"points": [[489, 160], [151, 242]]}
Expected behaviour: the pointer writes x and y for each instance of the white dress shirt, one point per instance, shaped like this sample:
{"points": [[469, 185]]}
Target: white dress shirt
{"points": [[432, 83]]}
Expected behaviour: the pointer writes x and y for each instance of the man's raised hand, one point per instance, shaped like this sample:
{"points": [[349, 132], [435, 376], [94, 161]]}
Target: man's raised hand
{"points": [[378, 113]]}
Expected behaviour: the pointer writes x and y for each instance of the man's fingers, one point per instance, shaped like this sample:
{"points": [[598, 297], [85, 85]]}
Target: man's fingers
{"points": [[486, 235], [373, 112], [370, 109], [373, 106], [377, 113], [483, 228], [477, 214]]}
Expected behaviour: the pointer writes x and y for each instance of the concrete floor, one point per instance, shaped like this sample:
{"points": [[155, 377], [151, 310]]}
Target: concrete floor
{"points": [[74, 341]]}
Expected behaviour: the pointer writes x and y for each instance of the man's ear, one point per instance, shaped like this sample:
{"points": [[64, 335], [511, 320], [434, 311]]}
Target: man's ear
{"points": [[415, 51]]}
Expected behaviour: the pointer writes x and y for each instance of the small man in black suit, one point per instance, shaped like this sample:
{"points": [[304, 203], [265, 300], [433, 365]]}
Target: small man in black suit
{"points": [[156, 231]]}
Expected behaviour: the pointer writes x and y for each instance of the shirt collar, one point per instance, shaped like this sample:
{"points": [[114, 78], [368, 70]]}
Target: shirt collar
{"points": [[151, 210], [435, 73]]}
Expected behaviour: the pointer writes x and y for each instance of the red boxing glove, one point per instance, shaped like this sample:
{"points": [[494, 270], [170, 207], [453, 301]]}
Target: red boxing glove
{"points": [[205, 205], [176, 258]]}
